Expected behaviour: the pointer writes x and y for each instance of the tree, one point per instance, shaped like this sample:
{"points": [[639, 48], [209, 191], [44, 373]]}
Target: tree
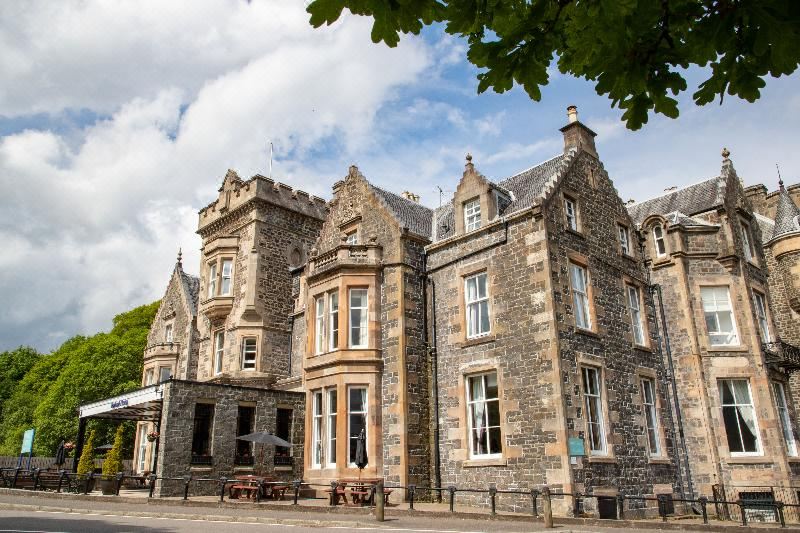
{"points": [[636, 52], [14, 364], [113, 461], [86, 463]]}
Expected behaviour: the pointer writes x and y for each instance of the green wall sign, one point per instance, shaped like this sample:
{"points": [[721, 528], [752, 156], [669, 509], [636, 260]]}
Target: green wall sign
{"points": [[576, 447]]}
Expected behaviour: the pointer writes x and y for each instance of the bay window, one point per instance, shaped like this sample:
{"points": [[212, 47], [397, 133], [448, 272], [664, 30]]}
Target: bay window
{"points": [[719, 316], [483, 413], [316, 429], [739, 417], [356, 419], [358, 318], [319, 330], [477, 305], [331, 433], [212, 280], [227, 270], [333, 320], [593, 403], [249, 352]]}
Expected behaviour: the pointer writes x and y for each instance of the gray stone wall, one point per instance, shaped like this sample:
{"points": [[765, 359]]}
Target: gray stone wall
{"points": [[175, 443]]}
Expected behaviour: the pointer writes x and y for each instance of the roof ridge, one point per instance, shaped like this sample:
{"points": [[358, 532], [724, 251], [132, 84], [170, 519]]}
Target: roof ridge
{"points": [[665, 193], [521, 172]]}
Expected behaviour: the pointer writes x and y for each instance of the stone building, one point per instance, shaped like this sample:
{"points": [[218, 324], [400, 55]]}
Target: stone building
{"points": [[724, 300]]}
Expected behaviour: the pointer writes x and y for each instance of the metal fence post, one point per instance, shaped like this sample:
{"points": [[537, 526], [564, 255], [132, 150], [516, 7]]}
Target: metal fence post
{"points": [[186, 481], [334, 495], [222, 482], [259, 488], [452, 490], [740, 503], [576, 504], [782, 518], [534, 494], [412, 489], [296, 484], [380, 502], [60, 480], [152, 485], [493, 496], [120, 477], [16, 475], [703, 502], [36, 472], [547, 507]]}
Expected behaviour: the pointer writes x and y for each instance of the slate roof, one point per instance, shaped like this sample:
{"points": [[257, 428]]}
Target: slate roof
{"points": [[676, 217], [766, 225], [524, 189], [192, 286], [412, 215], [690, 200], [786, 214]]}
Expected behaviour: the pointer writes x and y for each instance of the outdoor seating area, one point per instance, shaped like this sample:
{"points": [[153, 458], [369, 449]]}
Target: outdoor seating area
{"points": [[257, 488], [361, 492]]}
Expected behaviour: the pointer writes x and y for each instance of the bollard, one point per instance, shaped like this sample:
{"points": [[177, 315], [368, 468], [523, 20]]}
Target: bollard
{"points": [[534, 495], [334, 495], [60, 479], [576, 504], [36, 472], [16, 475], [703, 502], [296, 484], [782, 518], [186, 481], [120, 477], [380, 502], [412, 489], [452, 490], [493, 496], [222, 482], [620, 506], [547, 507], [740, 503], [260, 486], [87, 482], [152, 485], [662, 507]]}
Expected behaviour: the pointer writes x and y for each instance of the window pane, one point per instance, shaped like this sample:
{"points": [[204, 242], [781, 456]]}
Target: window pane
{"points": [[495, 440], [491, 386], [493, 413], [484, 316], [476, 389]]}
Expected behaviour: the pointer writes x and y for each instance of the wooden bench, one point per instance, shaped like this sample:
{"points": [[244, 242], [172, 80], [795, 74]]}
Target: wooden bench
{"points": [[250, 491], [278, 491], [340, 494]]}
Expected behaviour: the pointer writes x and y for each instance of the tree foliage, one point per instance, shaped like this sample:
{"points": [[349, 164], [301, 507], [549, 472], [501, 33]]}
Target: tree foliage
{"points": [[86, 462], [83, 369], [14, 364], [635, 52], [113, 463]]}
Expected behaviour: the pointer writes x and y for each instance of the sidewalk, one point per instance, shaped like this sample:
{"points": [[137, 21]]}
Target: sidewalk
{"points": [[311, 512]]}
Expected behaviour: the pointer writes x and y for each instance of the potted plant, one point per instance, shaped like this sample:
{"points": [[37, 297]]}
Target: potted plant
{"points": [[86, 463], [152, 436], [112, 465]]}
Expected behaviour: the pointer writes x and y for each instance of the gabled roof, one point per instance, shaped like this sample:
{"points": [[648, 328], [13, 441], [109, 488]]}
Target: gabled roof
{"points": [[524, 188], [191, 287], [409, 214], [691, 200], [786, 214]]}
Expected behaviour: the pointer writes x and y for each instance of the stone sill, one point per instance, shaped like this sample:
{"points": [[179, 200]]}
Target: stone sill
{"points": [[587, 332], [601, 459], [628, 256], [576, 233], [720, 351], [643, 348], [659, 461], [200, 469], [283, 468], [747, 460], [793, 459], [478, 341], [476, 463]]}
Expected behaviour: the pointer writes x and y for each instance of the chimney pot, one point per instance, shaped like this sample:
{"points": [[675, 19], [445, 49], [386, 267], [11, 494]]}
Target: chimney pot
{"points": [[572, 114]]}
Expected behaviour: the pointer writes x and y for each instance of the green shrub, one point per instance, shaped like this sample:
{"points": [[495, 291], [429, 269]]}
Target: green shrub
{"points": [[86, 464], [113, 463]]}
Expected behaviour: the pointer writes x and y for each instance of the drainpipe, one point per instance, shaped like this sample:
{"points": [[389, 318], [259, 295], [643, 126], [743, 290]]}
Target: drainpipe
{"points": [[656, 288], [430, 349]]}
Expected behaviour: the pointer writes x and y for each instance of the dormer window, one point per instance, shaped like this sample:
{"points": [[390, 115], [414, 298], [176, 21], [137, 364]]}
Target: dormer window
{"points": [[658, 240], [472, 214], [571, 213], [747, 243]]}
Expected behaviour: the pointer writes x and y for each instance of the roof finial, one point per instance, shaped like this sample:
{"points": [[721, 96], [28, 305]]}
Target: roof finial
{"points": [[780, 179], [725, 154], [469, 167], [180, 256]]}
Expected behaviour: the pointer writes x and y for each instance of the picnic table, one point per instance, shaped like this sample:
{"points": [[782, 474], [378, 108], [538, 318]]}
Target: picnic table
{"points": [[361, 491], [250, 485]]}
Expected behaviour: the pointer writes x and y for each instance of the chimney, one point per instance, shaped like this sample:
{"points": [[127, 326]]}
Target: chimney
{"points": [[411, 196], [576, 134]]}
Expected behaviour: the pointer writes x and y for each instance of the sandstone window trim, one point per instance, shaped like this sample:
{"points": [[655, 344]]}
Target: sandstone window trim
{"points": [[719, 315], [226, 277], [319, 324], [357, 417], [316, 429], [472, 214], [782, 405], [149, 375], [220, 277], [624, 234], [582, 297], [333, 320], [762, 315], [739, 417], [484, 415], [592, 386], [219, 351], [659, 240], [650, 408], [331, 399], [249, 353], [358, 315], [636, 311], [571, 213], [477, 314], [212, 279]]}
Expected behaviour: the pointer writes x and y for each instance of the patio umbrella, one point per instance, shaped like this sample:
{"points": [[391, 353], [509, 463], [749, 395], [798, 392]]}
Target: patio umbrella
{"points": [[61, 454], [104, 448], [262, 438], [361, 452]]}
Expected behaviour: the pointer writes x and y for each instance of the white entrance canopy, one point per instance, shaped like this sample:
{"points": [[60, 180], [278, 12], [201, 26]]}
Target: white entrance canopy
{"points": [[142, 404]]}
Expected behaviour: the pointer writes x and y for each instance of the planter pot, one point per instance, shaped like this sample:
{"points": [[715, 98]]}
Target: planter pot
{"points": [[151, 439], [87, 485], [108, 486]]}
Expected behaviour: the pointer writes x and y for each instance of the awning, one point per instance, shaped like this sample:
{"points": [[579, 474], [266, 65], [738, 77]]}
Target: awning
{"points": [[142, 404]]}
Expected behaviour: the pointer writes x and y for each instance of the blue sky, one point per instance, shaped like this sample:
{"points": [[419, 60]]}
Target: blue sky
{"points": [[118, 123]]}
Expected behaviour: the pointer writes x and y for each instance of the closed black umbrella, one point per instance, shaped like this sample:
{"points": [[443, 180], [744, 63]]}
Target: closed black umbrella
{"points": [[61, 454], [361, 451]]}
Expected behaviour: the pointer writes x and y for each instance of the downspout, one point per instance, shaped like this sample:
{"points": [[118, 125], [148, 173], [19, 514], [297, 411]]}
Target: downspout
{"points": [[656, 288], [430, 349]]}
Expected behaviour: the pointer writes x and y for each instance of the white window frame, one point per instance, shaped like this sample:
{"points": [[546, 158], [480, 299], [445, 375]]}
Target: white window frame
{"points": [[747, 242], [350, 413], [473, 404], [317, 455], [363, 325], [168, 333], [352, 238], [472, 214], [476, 305], [330, 433], [715, 306], [659, 241], [650, 408], [333, 320], [249, 353], [149, 375], [760, 303], [635, 310], [319, 324], [594, 398], [219, 351], [212, 279], [141, 457], [738, 404], [226, 285], [779, 389], [579, 281], [571, 213], [161, 373], [624, 239]]}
